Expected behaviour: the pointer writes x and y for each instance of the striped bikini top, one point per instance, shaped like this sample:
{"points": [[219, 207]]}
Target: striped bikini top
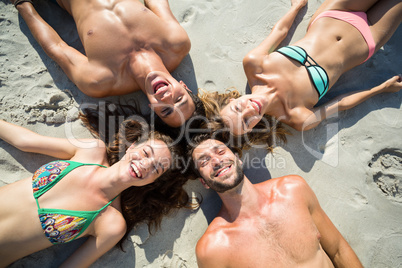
{"points": [[60, 225], [317, 74]]}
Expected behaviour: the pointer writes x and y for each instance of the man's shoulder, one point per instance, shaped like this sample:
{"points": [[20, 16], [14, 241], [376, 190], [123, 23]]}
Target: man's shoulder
{"points": [[284, 184], [212, 247], [216, 228], [280, 181], [217, 231]]}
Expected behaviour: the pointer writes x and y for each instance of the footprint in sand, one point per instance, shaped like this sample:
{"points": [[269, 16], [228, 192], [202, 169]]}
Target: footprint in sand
{"points": [[209, 85], [171, 259], [388, 252], [52, 111], [188, 16], [386, 169]]}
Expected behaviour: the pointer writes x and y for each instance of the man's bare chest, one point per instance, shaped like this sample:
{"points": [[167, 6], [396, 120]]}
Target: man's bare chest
{"points": [[279, 241]]}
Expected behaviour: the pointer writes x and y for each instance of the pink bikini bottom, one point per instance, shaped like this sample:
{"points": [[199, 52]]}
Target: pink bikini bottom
{"points": [[356, 19]]}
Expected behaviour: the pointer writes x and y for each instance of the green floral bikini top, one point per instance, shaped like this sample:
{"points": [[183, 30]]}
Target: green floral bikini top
{"points": [[60, 225]]}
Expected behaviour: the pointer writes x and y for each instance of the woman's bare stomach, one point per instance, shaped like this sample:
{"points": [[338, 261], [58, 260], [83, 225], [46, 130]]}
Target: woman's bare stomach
{"points": [[20, 228], [335, 45]]}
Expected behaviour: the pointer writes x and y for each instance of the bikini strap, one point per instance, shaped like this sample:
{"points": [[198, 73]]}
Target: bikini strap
{"points": [[110, 202]]}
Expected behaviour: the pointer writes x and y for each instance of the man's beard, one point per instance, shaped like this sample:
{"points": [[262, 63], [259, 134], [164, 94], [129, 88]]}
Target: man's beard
{"points": [[221, 186]]}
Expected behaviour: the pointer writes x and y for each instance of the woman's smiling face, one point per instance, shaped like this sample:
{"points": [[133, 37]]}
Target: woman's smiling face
{"points": [[147, 161], [242, 114]]}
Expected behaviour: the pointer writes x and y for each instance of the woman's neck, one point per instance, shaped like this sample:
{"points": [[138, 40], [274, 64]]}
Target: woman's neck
{"points": [[268, 97], [107, 181]]}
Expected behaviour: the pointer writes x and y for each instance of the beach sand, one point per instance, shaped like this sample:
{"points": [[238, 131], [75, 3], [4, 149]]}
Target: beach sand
{"points": [[353, 161]]}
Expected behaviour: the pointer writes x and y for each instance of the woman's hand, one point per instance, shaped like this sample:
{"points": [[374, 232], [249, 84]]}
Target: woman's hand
{"points": [[299, 3], [393, 84]]}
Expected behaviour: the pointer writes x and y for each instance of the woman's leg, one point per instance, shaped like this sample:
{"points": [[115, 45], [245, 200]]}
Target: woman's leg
{"points": [[384, 18]]}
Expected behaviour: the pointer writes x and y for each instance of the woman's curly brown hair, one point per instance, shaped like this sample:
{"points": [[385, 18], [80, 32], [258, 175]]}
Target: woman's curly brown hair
{"points": [[268, 131], [146, 204]]}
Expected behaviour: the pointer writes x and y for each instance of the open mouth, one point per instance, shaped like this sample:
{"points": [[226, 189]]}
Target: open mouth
{"points": [[135, 171], [160, 87], [256, 105], [223, 171]]}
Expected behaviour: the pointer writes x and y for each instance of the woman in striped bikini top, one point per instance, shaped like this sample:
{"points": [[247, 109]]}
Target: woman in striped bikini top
{"points": [[287, 83]]}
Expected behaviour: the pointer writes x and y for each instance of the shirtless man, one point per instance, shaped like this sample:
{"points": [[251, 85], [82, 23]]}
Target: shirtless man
{"points": [[128, 47], [276, 223]]}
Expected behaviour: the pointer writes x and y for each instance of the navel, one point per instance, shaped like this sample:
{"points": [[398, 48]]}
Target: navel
{"points": [[90, 32]]}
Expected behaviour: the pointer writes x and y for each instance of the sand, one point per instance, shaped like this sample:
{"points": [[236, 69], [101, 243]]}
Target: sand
{"points": [[352, 161]]}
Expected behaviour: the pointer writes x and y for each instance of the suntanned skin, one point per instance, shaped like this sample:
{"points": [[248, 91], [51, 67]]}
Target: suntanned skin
{"points": [[276, 223], [86, 188], [282, 86], [128, 47]]}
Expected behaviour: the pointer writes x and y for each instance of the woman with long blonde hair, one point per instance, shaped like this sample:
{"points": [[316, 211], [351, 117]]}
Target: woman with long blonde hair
{"points": [[288, 82]]}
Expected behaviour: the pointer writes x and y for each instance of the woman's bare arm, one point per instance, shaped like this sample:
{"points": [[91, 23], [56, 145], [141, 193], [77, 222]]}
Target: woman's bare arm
{"points": [[279, 31], [29, 141], [109, 228], [308, 119]]}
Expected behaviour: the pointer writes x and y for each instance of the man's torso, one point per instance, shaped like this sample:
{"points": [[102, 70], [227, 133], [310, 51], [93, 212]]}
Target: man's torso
{"points": [[282, 234], [116, 34]]}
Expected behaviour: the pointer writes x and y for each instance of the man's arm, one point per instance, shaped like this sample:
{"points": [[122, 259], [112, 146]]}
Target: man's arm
{"points": [[305, 119], [333, 243], [73, 62]]}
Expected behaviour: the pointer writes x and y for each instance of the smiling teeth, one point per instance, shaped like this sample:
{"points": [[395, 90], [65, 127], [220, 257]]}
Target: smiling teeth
{"points": [[256, 106], [223, 170], [136, 171]]}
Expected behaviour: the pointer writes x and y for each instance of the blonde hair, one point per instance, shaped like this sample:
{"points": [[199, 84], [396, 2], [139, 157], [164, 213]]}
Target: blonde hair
{"points": [[268, 131], [214, 102]]}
